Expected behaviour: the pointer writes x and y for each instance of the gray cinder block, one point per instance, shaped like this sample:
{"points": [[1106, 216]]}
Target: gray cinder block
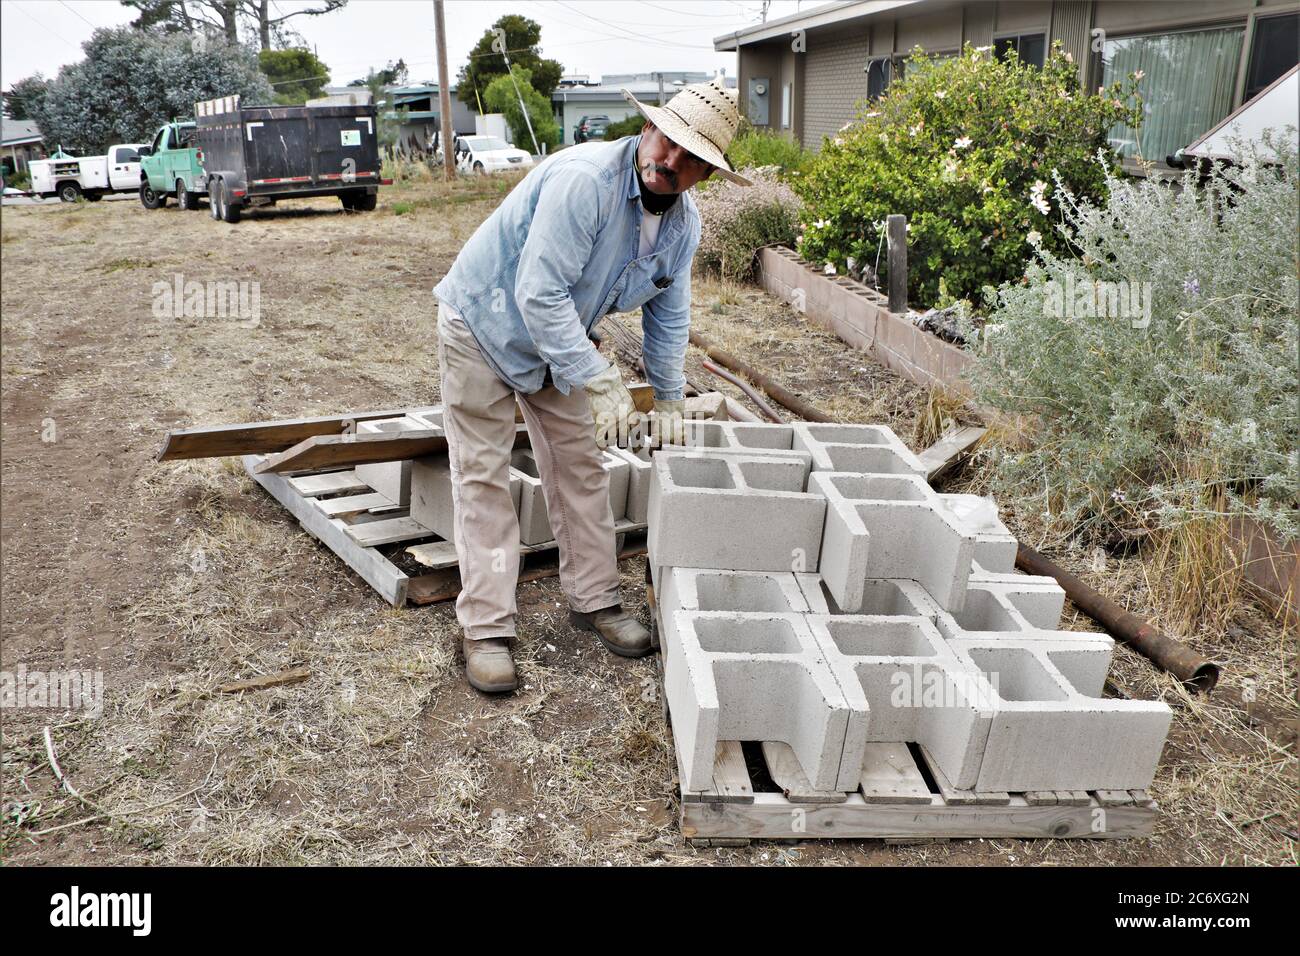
{"points": [[733, 512], [866, 449], [392, 479], [754, 676]]}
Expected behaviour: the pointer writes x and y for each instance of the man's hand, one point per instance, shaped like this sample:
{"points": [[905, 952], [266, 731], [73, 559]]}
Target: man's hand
{"points": [[669, 422], [612, 407]]}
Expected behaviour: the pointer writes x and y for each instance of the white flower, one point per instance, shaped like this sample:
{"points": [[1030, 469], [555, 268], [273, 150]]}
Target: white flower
{"points": [[940, 94], [961, 142], [1034, 238], [915, 130], [1036, 197], [1139, 74], [830, 269]]}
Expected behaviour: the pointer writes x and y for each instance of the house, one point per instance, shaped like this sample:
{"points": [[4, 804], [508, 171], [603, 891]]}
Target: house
{"points": [[578, 96], [803, 75], [20, 142], [424, 117]]}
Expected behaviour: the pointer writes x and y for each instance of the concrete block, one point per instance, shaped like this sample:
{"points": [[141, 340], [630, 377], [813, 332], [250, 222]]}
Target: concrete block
{"points": [[755, 676], [744, 438], [638, 481], [867, 449], [914, 687], [431, 500], [392, 479], [701, 589], [534, 519], [1037, 598], [733, 512], [995, 546], [890, 526], [1047, 733]]}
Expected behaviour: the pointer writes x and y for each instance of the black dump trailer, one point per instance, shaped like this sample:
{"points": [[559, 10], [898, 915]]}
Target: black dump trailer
{"points": [[256, 155]]}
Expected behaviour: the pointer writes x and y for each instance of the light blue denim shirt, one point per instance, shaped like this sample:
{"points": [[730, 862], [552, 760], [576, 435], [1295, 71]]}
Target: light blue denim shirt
{"points": [[559, 253]]}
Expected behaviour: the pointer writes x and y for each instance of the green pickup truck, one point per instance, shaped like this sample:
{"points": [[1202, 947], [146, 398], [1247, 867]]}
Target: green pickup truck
{"points": [[172, 166]]}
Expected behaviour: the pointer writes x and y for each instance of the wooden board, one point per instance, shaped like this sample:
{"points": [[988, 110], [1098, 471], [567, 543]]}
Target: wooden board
{"points": [[338, 451], [943, 453], [376, 569], [955, 796], [731, 783], [262, 438], [442, 554], [890, 775], [783, 767], [332, 483], [353, 504], [771, 816], [371, 534]]}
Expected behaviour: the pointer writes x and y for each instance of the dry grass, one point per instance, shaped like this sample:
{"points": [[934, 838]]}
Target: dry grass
{"points": [[176, 578]]}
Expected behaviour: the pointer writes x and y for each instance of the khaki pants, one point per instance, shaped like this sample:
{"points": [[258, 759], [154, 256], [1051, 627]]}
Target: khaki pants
{"points": [[479, 418]]}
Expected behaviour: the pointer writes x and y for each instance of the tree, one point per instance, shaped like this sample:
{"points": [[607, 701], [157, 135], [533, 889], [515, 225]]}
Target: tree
{"points": [[486, 63], [130, 83], [295, 74], [225, 18], [501, 97], [25, 97], [395, 74]]}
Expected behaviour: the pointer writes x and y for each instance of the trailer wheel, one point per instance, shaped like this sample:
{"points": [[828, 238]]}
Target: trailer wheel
{"points": [[359, 202], [69, 191], [184, 198], [229, 210], [150, 199]]}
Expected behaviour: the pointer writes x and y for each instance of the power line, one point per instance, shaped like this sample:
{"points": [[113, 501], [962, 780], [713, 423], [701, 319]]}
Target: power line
{"points": [[78, 15], [632, 35], [44, 27], [686, 13]]}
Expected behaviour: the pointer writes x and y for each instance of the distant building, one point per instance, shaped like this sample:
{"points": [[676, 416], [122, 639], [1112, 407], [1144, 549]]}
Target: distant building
{"points": [[804, 75], [578, 96], [20, 142], [424, 117]]}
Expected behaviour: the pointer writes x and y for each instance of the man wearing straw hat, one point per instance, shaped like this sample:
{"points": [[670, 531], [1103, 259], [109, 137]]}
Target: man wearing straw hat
{"points": [[597, 228]]}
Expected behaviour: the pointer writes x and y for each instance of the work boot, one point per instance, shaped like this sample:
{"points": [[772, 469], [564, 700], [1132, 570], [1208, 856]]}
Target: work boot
{"points": [[489, 666], [620, 632]]}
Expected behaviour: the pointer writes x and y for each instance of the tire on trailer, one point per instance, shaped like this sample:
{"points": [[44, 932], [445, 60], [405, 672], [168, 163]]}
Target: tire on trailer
{"points": [[68, 191], [365, 202], [348, 200], [184, 198], [230, 211], [150, 199], [214, 199]]}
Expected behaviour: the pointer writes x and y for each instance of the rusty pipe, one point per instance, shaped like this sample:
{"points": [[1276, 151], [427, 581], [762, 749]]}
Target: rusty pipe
{"points": [[1177, 658], [745, 387], [779, 393]]}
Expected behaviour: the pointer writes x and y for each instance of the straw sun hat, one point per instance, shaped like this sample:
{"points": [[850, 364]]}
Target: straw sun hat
{"points": [[702, 119]]}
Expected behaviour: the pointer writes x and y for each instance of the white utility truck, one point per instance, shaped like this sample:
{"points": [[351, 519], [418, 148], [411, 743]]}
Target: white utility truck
{"points": [[73, 177]]}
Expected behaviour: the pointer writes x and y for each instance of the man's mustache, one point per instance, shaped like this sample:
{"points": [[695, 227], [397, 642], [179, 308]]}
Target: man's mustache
{"points": [[662, 171]]}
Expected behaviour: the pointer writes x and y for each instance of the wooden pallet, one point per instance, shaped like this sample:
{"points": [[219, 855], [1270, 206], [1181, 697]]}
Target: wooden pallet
{"points": [[350, 519], [902, 797]]}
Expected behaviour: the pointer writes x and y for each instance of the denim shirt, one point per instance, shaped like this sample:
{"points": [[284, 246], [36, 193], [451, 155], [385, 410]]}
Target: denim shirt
{"points": [[559, 253]]}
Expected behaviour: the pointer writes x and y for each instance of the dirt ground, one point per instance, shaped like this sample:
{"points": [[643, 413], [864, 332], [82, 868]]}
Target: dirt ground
{"points": [[175, 578]]}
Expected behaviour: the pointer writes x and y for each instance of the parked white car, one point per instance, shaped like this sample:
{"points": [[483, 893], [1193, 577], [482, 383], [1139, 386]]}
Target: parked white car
{"points": [[489, 154], [72, 177]]}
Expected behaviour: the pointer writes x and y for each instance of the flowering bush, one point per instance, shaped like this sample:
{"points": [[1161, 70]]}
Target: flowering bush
{"points": [[965, 147], [1158, 356], [737, 221], [762, 147]]}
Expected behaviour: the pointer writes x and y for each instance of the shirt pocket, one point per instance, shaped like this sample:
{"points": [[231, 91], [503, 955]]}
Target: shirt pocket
{"points": [[646, 278]]}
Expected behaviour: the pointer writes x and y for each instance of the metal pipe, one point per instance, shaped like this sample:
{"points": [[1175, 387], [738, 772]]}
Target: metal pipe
{"points": [[745, 387], [1191, 668], [779, 393]]}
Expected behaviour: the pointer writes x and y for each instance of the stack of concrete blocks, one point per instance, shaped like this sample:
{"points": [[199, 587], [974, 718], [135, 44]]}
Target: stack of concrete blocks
{"points": [[424, 484], [813, 589]]}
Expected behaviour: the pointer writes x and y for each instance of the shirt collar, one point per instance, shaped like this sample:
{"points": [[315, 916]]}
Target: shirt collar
{"points": [[633, 187]]}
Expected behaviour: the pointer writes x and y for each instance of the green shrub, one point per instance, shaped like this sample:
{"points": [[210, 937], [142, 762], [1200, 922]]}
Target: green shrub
{"points": [[1184, 408], [755, 147], [737, 221], [967, 148], [628, 126]]}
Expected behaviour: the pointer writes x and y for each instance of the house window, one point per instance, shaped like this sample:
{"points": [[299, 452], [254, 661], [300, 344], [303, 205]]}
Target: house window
{"points": [[1272, 51], [1186, 88], [787, 95], [879, 73], [1029, 47]]}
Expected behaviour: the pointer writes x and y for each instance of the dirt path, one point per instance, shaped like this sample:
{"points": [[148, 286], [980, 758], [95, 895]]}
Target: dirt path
{"points": [[172, 579]]}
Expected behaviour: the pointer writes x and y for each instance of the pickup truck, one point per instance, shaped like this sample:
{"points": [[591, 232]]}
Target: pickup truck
{"points": [[257, 155], [172, 166], [71, 177]]}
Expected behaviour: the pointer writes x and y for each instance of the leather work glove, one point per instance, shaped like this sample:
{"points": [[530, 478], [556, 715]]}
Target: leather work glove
{"points": [[612, 408], [669, 422]]}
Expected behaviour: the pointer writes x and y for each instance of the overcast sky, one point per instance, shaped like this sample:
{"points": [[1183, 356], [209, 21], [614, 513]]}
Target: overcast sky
{"points": [[588, 36]]}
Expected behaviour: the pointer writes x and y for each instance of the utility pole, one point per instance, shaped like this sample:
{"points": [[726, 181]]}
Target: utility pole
{"points": [[444, 92], [661, 89]]}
